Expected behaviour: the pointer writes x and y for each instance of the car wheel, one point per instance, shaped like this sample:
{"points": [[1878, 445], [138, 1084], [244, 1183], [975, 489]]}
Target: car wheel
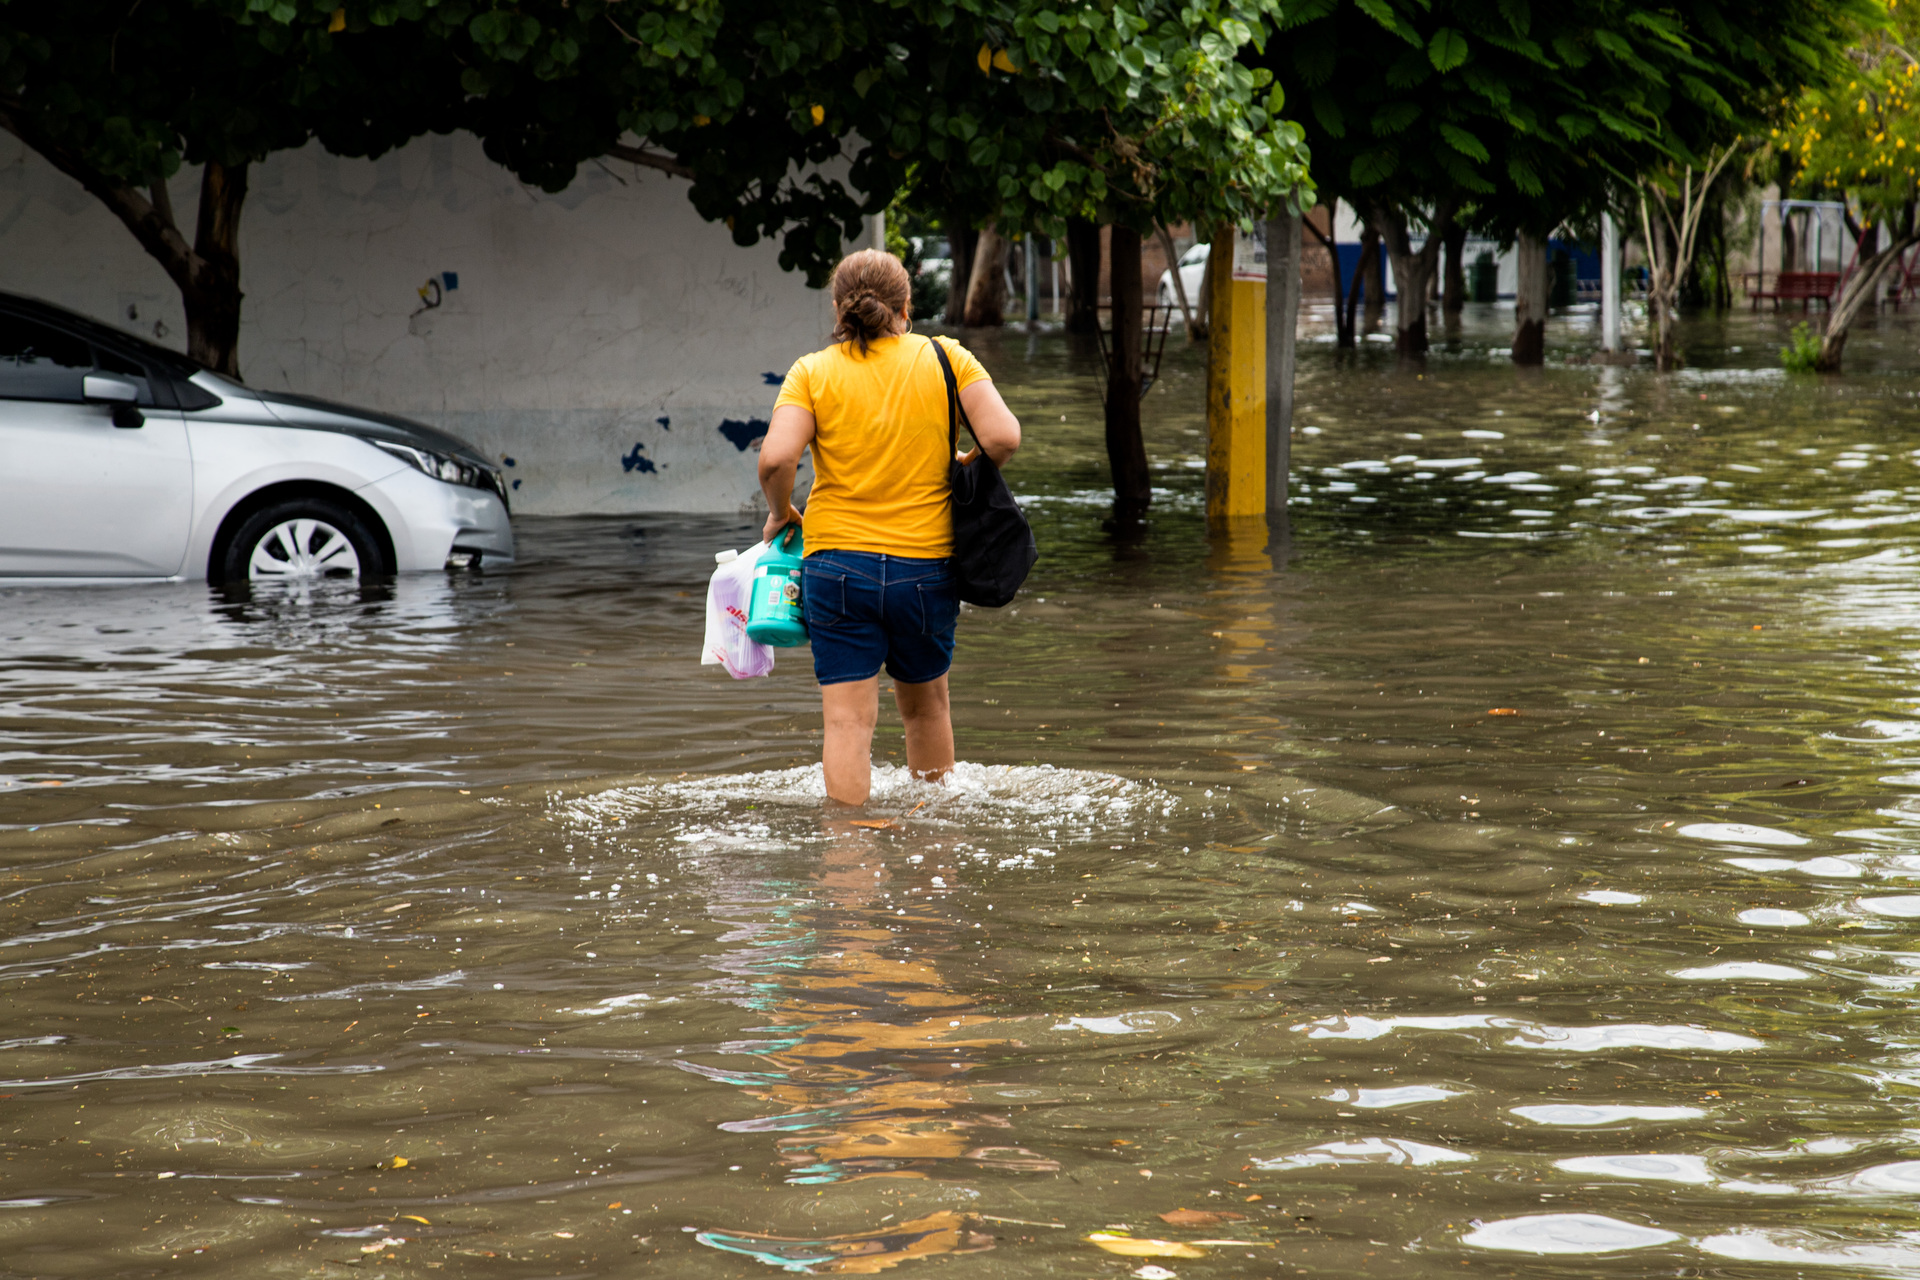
{"points": [[303, 540]]}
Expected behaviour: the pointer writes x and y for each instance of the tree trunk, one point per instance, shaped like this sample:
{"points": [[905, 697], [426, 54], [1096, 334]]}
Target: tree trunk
{"points": [[1083, 257], [1126, 448], [1349, 330], [1342, 317], [1453, 277], [1723, 275], [1412, 272], [1530, 301], [1855, 295], [1371, 268], [213, 299], [1283, 315], [961, 238], [987, 292]]}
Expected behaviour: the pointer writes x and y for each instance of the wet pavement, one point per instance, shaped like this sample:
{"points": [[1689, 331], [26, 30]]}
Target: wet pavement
{"points": [[1512, 869]]}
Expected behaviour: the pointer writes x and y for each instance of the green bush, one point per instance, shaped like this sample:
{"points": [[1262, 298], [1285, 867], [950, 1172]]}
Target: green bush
{"points": [[1802, 352]]}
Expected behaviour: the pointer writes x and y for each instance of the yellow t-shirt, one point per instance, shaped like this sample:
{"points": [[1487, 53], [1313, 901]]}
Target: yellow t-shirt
{"points": [[880, 444]]}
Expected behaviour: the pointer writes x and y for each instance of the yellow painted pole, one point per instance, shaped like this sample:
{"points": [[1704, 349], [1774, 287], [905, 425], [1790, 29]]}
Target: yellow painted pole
{"points": [[1236, 384]]}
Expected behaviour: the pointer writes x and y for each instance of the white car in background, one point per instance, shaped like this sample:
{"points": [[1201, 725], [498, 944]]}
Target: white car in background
{"points": [[936, 257], [1193, 269], [123, 460]]}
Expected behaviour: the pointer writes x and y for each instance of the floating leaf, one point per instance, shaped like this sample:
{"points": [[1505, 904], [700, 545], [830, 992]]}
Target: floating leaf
{"points": [[338, 22], [1002, 61], [874, 824], [1141, 1247], [1503, 711], [984, 59], [1200, 1217]]}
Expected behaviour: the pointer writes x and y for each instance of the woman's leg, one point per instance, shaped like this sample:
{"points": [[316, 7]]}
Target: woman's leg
{"points": [[927, 713], [850, 709]]}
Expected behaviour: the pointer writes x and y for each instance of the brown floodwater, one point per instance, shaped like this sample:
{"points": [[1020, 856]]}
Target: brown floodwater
{"points": [[1514, 868]]}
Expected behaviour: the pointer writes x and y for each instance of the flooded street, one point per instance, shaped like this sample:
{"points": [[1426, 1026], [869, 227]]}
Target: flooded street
{"points": [[1514, 870]]}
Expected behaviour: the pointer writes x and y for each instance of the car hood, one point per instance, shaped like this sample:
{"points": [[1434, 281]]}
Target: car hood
{"points": [[316, 414]]}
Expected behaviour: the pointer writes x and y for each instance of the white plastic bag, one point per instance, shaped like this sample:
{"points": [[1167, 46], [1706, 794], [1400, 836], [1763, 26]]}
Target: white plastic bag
{"points": [[727, 595]]}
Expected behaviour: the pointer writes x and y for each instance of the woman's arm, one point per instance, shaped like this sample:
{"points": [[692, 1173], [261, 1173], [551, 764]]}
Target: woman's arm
{"points": [[788, 436], [993, 423]]}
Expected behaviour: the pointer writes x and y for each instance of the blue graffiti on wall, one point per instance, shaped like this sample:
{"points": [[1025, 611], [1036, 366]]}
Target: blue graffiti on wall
{"points": [[634, 462], [741, 434]]}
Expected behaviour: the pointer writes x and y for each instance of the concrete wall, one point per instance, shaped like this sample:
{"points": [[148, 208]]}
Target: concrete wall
{"points": [[616, 351]]}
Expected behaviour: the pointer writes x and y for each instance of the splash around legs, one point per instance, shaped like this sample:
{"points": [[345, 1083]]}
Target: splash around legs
{"points": [[851, 709]]}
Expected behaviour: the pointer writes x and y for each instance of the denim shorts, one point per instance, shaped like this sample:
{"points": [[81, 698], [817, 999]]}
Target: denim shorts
{"points": [[866, 610]]}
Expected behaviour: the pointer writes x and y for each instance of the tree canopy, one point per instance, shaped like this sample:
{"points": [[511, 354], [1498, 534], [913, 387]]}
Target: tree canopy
{"points": [[1532, 112], [1856, 133], [1029, 111], [790, 120]]}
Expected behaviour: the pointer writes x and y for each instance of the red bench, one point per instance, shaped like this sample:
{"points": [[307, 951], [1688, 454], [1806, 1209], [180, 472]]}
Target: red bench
{"points": [[1804, 287]]}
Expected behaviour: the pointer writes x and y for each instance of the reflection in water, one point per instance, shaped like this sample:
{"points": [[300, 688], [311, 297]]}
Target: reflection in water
{"points": [[467, 924], [860, 1253], [871, 1048]]}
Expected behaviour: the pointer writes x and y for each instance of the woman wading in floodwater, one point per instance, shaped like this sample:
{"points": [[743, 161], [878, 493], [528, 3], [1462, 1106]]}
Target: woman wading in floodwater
{"points": [[878, 526]]}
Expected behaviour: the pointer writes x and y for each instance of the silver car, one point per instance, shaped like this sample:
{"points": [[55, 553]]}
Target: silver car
{"points": [[123, 460]]}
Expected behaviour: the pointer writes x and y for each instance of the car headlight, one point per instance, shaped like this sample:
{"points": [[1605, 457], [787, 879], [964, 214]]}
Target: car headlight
{"points": [[443, 466]]}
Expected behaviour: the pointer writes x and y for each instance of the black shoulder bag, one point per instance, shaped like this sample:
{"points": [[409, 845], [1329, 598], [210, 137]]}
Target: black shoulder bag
{"points": [[993, 548]]}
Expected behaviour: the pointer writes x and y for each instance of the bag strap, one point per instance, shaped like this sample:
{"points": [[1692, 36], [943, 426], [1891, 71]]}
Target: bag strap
{"points": [[955, 413]]}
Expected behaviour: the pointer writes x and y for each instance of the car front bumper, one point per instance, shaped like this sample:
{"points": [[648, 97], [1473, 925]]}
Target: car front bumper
{"points": [[432, 521]]}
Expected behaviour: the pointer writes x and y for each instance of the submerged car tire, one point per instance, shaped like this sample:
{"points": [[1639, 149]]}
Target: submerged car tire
{"points": [[303, 540]]}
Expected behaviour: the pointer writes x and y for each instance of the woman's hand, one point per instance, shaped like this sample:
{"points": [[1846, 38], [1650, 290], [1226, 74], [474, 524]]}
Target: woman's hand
{"points": [[964, 458], [778, 520]]}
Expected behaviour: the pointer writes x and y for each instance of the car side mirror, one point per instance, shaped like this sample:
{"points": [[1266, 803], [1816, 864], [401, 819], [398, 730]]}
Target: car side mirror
{"points": [[118, 392]]}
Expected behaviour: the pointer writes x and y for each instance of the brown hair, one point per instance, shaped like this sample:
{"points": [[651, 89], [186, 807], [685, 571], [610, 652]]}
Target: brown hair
{"points": [[870, 291]]}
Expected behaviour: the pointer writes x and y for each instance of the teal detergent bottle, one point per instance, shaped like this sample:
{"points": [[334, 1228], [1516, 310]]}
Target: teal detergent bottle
{"points": [[774, 614]]}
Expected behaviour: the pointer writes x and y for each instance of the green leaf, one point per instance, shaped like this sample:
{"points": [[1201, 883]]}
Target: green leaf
{"points": [[1394, 117], [1372, 167], [1524, 177], [1447, 49], [1409, 69], [1326, 109], [1382, 12], [1465, 143], [1575, 127]]}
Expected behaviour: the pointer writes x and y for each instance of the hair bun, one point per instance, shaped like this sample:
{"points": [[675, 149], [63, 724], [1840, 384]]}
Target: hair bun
{"points": [[871, 290]]}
